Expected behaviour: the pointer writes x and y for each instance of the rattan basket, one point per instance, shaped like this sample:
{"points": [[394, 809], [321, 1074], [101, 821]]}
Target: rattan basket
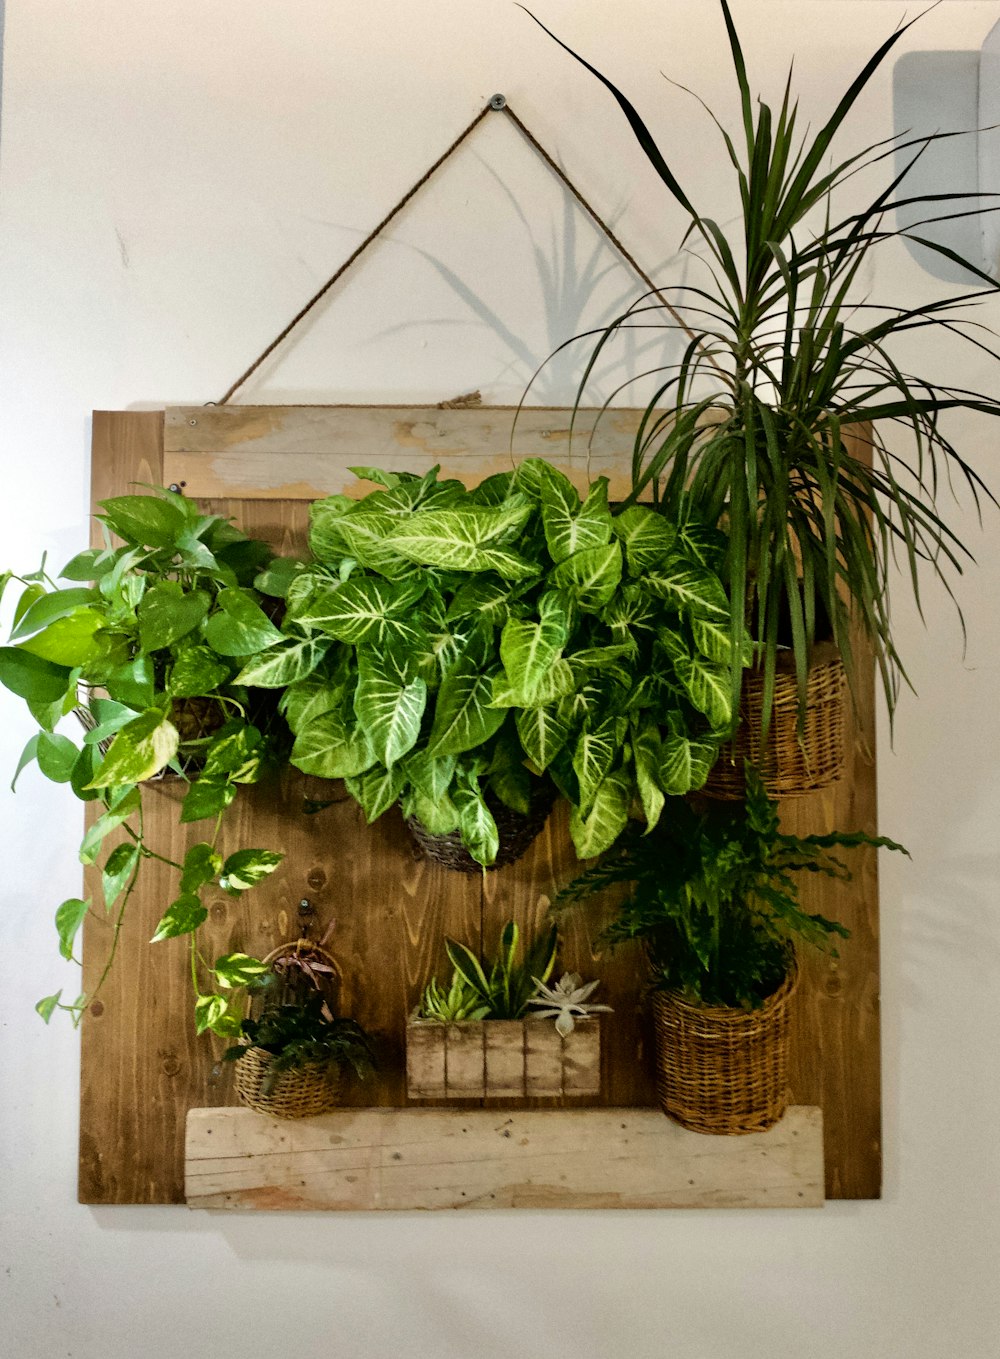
{"points": [[300, 1092], [196, 719], [790, 763], [721, 1070], [516, 831]]}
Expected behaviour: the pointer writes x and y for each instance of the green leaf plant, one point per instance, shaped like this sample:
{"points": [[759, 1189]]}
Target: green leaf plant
{"points": [[448, 649], [714, 898], [783, 351], [145, 644]]}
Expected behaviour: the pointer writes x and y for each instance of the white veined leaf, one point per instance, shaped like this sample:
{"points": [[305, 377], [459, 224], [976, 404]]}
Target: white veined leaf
{"points": [[600, 828], [592, 576], [367, 610], [592, 759], [712, 639], [430, 776], [438, 815], [529, 650], [688, 588], [543, 733], [377, 790], [285, 665], [475, 821], [684, 764], [648, 757], [557, 682], [310, 697], [389, 710], [647, 537], [709, 687], [472, 538], [570, 527], [327, 748], [339, 528], [463, 717]]}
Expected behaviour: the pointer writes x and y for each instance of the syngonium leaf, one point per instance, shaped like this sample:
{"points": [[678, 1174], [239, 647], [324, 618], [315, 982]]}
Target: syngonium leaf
{"points": [[472, 538], [591, 576], [647, 537], [283, 665], [543, 732], [688, 588], [475, 822], [647, 755], [593, 757], [327, 747], [338, 530], [377, 790], [569, 526], [368, 610], [389, 707], [684, 763], [530, 650], [463, 717], [597, 831]]}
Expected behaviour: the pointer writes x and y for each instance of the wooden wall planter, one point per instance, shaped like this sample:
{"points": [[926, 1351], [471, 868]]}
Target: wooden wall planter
{"points": [[143, 1068], [502, 1059]]}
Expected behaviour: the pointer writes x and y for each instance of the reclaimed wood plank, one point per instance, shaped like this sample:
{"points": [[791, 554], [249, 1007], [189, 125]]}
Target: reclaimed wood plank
{"points": [[305, 452], [400, 1160]]}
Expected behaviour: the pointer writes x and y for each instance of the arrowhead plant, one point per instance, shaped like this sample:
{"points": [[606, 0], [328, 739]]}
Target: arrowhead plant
{"points": [[449, 649]]}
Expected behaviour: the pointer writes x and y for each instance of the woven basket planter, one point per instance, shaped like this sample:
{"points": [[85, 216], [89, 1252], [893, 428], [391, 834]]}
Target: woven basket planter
{"points": [[517, 832], [790, 764], [502, 1058], [299, 1092], [722, 1070]]}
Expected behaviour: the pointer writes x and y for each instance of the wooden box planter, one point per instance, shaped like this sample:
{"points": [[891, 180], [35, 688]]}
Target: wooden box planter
{"points": [[502, 1058]]}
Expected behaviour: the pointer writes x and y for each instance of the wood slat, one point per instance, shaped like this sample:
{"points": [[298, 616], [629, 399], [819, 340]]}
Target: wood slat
{"points": [[398, 1160], [304, 452]]}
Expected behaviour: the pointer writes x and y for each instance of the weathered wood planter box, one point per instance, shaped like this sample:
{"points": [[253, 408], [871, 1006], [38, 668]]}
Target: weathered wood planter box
{"points": [[503, 1058]]}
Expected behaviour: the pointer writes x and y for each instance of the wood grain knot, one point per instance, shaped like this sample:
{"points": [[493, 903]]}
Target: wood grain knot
{"points": [[316, 879], [97, 1009]]}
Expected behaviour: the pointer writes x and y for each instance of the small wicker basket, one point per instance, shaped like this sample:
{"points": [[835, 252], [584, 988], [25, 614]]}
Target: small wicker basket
{"points": [[196, 719], [790, 764], [300, 1092], [722, 1070], [517, 832]]}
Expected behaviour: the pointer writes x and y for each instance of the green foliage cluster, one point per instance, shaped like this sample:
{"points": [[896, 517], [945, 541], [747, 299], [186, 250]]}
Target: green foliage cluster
{"points": [[304, 1034], [501, 989], [714, 898], [152, 650], [447, 647], [781, 353]]}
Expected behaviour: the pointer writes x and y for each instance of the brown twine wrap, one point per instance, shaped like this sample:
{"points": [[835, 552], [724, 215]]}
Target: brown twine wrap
{"points": [[721, 1070], [791, 764]]}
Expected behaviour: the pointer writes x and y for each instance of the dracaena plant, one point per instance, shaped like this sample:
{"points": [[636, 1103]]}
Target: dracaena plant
{"points": [[448, 648], [714, 898], [783, 349], [146, 643]]}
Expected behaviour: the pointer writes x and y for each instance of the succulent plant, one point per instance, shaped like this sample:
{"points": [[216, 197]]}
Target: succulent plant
{"points": [[566, 1001]]}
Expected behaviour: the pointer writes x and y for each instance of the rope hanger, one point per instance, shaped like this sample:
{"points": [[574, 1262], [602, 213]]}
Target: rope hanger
{"points": [[497, 104]]}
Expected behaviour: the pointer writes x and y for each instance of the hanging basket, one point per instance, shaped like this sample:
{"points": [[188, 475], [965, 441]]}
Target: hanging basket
{"points": [[300, 1092], [790, 763], [722, 1070], [517, 832]]}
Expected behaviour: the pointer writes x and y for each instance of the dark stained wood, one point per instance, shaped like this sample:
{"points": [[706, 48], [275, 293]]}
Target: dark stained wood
{"points": [[386, 912]]}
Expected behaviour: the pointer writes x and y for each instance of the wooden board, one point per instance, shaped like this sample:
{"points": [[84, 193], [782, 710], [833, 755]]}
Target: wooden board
{"points": [[397, 1160], [304, 452], [143, 1068]]}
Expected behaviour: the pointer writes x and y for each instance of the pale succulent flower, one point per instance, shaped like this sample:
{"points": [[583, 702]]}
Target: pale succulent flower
{"points": [[566, 1001]]}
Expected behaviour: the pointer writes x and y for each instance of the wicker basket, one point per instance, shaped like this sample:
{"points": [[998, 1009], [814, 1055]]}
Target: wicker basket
{"points": [[722, 1070], [790, 764], [299, 1092], [516, 831]]}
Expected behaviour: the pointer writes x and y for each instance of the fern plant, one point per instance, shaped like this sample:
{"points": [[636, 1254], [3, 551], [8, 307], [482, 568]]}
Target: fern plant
{"points": [[714, 898]]}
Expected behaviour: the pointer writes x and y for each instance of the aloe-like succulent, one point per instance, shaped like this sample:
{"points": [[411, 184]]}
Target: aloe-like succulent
{"points": [[459, 1003], [566, 1002]]}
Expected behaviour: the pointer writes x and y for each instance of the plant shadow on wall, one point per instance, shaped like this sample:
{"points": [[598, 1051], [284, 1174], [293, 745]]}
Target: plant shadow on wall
{"points": [[749, 427], [578, 292]]}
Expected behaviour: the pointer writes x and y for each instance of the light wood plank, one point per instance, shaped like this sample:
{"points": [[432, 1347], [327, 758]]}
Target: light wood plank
{"points": [[397, 1160], [304, 452]]}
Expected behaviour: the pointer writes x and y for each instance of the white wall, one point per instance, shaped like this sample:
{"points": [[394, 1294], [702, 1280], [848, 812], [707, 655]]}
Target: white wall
{"points": [[176, 178]]}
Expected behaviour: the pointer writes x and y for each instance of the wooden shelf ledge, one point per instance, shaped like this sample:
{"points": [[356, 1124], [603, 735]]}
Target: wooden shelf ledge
{"points": [[400, 1159]]}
